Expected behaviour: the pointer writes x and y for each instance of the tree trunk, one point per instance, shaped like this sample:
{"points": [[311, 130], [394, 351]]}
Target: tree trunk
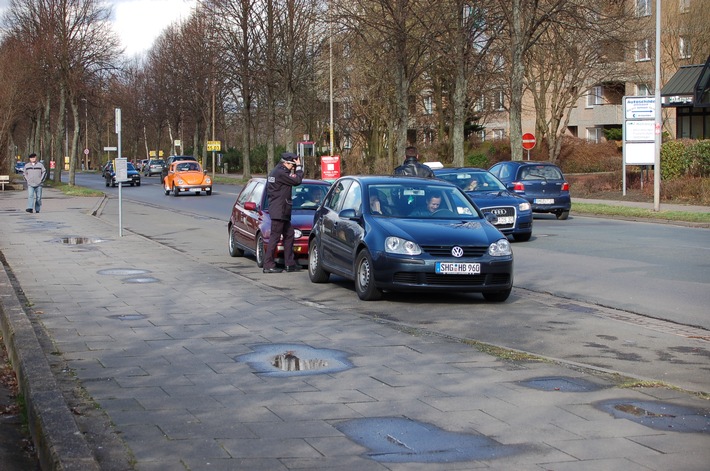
{"points": [[74, 150], [459, 105]]}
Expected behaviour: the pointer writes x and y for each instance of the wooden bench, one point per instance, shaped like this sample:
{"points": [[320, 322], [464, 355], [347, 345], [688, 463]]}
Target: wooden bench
{"points": [[3, 180]]}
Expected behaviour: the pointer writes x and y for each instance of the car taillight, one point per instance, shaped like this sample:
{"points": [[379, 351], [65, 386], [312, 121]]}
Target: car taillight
{"points": [[565, 186], [518, 186]]}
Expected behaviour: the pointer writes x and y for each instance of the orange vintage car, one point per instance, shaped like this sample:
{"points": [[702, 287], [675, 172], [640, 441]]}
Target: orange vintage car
{"points": [[186, 176]]}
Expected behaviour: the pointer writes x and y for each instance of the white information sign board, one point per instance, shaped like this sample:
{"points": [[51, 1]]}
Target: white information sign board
{"points": [[121, 167], [639, 130]]}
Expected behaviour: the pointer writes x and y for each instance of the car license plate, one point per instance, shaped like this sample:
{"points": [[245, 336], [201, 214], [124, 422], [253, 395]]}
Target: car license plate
{"points": [[458, 268], [544, 201], [505, 220]]}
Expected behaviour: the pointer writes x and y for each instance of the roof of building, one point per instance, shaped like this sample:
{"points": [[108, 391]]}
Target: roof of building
{"points": [[689, 86]]}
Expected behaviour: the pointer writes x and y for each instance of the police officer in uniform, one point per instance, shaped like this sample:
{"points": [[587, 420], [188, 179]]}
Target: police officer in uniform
{"points": [[287, 174]]}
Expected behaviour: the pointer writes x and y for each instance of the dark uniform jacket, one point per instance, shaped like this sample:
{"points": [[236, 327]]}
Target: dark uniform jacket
{"points": [[412, 168], [278, 191]]}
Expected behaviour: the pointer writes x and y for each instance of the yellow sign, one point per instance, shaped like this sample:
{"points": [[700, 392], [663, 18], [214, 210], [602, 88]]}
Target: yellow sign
{"points": [[213, 146], [151, 153]]}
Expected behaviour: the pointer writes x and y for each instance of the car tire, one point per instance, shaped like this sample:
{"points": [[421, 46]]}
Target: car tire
{"points": [[176, 192], [562, 215], [107, 183], [138, 184], [234, 251], [315, 267], [497, 296], [522, 237], [365, 278], [132, 183], [208, 192], [259, 251]]}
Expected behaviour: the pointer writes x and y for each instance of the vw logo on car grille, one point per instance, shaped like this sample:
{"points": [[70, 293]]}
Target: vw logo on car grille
{"points": [[499, 212], [457, 251]]}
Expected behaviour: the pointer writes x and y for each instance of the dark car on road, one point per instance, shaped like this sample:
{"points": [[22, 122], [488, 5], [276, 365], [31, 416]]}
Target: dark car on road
{"points": [[134, 178], [541, 183], [250, 225], [153, 167], [408, 234], [513, 213], [20, 167]]}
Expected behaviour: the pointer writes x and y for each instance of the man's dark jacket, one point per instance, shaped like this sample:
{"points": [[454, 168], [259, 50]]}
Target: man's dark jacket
{"points": [[278, 191], [412, 168]]}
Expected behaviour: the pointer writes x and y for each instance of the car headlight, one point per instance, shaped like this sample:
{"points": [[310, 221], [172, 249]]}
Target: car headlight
{"points": [[500, 248], [524, 206], [401, 246], [208, 181], [180, 181], [297, 234]]}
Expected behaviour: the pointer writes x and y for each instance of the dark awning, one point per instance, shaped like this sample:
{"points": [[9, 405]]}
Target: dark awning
{"points": [[688, 87]]}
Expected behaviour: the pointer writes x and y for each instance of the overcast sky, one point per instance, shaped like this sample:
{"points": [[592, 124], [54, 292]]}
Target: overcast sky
{"points": [[139, 22]]}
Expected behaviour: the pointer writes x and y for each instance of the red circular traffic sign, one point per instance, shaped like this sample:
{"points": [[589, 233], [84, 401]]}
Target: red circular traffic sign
{"points": [[528, 141]]}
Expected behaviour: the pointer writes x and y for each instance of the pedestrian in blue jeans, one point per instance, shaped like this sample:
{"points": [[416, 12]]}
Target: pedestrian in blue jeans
{"points": [[35, 173]]}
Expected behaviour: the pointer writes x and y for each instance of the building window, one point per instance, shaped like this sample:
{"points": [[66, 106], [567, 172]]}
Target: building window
{"points": [[643, 7], [684, 47], [594, 135], [642, 89], [482, 135], [643, 50], [498, 134], [683, 6], [347, 142], [428, 105], [594, 97], [479, 104], [499, 100]]}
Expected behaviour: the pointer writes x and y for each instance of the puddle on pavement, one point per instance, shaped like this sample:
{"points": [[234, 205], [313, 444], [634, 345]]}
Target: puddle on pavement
{"points": [[561, 383], [401, 440], [659, 415], [141, 279], [122, 271], [128, 317], [294, 360], [79, 240]]}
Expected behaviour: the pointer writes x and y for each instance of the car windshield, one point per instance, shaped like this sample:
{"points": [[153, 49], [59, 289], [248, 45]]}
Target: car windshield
{"points": [[308, 195], [188, 167], [473, 181], [130, 166], [419, 200]]}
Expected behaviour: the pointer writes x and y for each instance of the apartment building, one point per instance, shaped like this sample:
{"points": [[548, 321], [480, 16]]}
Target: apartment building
{"points": [[685, 46]]}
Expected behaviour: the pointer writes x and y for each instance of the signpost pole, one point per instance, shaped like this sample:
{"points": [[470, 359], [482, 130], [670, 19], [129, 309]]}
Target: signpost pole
{"points": [[658, 118], [118, 180]]}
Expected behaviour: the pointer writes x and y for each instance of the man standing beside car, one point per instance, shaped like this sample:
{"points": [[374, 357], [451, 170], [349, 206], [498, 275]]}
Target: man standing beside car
{"points": [[287, 174]]}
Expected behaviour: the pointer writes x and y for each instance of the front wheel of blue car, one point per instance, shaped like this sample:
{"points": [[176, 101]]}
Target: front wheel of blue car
{"points": [[365, 278]]}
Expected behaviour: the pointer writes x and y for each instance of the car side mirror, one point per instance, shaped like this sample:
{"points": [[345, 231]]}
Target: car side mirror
{"points": [[348, 214]]}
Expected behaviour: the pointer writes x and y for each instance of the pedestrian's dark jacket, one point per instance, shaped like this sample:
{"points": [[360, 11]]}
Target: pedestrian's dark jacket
{"points": [[35, 173], [278, 191], [412, 168]]}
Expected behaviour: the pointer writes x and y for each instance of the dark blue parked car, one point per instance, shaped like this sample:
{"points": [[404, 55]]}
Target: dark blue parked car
{"points": [[407, 234], [514, 214], [134, 177], [541, 183], [20, 167]]}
